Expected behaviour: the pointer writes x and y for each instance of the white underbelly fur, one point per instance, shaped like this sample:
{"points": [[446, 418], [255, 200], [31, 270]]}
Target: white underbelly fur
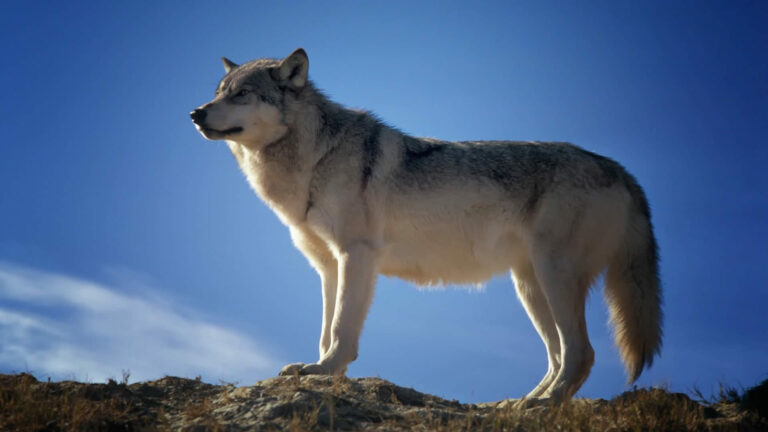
{"points": [[431, 248]]}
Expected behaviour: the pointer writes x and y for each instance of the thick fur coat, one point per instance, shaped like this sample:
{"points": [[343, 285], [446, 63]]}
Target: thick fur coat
{"points": [[361, 198]]}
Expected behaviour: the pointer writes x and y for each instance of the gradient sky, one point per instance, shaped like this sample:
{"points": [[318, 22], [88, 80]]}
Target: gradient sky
{"points": [[128, 242]]}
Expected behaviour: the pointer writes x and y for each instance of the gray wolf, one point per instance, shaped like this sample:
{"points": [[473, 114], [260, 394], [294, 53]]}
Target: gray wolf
{"points": [[361, 198]]}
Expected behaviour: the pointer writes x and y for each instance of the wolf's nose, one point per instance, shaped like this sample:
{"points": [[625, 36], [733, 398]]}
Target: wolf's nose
{"points": [[198, 115]]}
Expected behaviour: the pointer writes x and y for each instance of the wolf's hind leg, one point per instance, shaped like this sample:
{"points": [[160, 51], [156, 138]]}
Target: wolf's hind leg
{"points": [[566, 290], [535, 304]]}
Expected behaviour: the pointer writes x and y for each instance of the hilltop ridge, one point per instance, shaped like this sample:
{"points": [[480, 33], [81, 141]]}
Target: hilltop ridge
{"points": [[327, 403]]}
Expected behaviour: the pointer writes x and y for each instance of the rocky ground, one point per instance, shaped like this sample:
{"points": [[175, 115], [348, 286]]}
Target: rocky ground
{"points": [[325, 403]]}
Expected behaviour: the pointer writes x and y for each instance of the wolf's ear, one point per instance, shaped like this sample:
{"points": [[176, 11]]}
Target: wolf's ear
{"points": [[294, 68], [228, 64]]}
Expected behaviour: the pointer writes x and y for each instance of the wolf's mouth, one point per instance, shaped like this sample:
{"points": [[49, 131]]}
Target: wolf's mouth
{"points": [[230, 131]]}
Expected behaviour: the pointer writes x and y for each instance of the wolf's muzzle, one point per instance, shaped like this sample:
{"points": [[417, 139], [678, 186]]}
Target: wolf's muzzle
{"points": [[198, 115]]}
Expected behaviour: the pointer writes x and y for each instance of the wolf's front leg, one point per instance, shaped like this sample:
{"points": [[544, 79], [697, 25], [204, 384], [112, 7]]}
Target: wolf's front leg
{"points": [[328, 270], [330, 287], [357, 279]]}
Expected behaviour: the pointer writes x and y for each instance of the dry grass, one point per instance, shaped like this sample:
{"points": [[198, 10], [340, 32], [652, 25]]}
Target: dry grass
{"points": [[201, 414], [29, 405]]}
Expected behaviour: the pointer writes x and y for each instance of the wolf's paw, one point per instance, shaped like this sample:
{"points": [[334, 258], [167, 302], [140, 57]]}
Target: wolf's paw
{"points": [[292, 369], [304, 369], [529, 403], [314, 369]]}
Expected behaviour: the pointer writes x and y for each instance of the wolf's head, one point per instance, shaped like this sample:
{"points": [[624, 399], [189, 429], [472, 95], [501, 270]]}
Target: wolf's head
{"points": [[249, 105]]}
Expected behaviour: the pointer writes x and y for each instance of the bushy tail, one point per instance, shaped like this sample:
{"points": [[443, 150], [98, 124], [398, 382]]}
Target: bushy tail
{"points": [[633, 292]]}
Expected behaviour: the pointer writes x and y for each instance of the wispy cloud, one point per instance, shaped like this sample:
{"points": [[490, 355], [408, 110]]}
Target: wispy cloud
{"points": [[65, 327]]}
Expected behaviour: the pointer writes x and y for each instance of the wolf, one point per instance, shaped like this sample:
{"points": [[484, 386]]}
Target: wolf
{"points": [[361, 198]]}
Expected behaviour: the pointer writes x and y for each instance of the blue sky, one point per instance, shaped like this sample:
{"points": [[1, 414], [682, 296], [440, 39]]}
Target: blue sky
{"points": [[128, 242]]}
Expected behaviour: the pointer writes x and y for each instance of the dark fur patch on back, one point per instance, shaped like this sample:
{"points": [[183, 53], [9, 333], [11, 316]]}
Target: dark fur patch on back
{"points": [[417, 152], [333, 125], [370, 153]]}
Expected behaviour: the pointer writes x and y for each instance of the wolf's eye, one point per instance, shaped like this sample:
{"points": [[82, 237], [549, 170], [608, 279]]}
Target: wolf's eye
{"points": [[242, 92]]}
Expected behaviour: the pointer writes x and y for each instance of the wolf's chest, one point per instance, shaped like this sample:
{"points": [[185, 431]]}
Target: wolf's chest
{"points": [[283, 189]]}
